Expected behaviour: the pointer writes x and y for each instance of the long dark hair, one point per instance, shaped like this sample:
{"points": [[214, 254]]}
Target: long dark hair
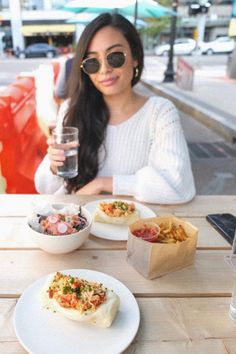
{"points": [[87, 108]]}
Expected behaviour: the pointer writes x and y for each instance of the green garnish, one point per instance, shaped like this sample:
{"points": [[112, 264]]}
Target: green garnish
{"points": [[67, 290], [77, 291], [120, 205]]}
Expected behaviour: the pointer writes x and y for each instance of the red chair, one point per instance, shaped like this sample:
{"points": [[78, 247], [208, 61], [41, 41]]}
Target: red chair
{"points": [[12, 95], [24, 143], [26, 84]]}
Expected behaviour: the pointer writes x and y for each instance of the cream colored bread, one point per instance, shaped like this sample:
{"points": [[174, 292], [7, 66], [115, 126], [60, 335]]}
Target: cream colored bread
{"points": [[116, 212], [103, 316], [100, 216]]}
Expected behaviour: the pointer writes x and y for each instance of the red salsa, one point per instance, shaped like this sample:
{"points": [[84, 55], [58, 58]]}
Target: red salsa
{"points": [[148, 232]]}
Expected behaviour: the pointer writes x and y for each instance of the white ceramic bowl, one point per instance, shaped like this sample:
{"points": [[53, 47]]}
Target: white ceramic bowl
{"points": [[60, 244]]}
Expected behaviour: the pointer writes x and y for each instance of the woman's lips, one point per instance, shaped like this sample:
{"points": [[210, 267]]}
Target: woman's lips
{"points": [[108, 82]]}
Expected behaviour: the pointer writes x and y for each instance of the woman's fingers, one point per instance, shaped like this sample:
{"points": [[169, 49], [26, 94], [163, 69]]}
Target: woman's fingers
{"points": [[56, 152], [56, 156]]}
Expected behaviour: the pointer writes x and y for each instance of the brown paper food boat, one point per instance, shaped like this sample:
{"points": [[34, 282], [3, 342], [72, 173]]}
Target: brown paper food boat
{"points": [[153, 260]]}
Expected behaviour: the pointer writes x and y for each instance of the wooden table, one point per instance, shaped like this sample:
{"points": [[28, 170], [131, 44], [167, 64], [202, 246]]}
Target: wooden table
{"points": [[182, 312]]}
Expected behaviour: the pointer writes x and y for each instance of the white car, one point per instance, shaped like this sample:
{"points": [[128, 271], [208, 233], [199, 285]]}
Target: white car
{"points": [[219, 45], [182, 46]]}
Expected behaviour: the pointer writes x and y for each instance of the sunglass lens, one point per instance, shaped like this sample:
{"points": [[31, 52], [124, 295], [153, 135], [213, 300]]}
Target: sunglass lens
{"points": [[91, 65], [116, 60]]}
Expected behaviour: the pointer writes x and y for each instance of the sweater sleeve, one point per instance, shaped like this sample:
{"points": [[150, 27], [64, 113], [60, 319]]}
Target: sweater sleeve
{"points": [[167, 178], [46, 182]]}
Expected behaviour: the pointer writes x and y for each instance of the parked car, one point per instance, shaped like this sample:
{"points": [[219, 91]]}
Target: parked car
{"points": [[182, 46], [219, 45], [37, 50]]}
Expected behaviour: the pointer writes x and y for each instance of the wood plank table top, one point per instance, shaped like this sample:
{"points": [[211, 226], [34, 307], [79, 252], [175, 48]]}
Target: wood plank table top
{"points": [[182, 312]]}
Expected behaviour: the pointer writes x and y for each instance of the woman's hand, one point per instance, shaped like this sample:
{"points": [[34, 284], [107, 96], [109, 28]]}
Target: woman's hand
{"points": [[96, 186], [56, 156]]}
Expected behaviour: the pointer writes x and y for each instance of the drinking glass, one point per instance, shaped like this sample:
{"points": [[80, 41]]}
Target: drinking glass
{"points": [[67, 139]]}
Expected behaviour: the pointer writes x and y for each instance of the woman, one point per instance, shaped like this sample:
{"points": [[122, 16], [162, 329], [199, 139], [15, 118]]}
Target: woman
{"points": [[129, 144]]}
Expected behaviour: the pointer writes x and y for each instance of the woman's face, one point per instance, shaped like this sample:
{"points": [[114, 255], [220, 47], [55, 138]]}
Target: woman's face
{"points": [[108, 80]]}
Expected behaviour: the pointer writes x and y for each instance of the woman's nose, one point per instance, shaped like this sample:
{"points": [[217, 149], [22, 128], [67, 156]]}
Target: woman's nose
{"points": [[104, 66]]}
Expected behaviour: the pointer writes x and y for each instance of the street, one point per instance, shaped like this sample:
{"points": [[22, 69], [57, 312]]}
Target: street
{"points": [[213, 159], [200, 60], [211, 62], [11, 67]]}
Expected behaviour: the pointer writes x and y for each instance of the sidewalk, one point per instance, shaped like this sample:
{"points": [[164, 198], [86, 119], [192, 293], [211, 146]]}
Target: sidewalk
{"points": [[212, 100]]}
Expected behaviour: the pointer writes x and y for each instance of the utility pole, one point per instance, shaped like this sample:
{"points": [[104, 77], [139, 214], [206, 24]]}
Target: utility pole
{"points": [[200, 9], [231, 65], [16, 24], [135, 12], [201, 24], [47, 5], [202, 15], [169, 74]]}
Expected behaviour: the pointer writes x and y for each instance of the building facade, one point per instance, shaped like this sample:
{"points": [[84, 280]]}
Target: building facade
{"points": [[217, 19], [41, 21], [44, 21]]}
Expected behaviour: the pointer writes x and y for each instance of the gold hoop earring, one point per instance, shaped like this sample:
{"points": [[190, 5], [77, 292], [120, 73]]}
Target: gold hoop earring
{"points": [[136, 72]]}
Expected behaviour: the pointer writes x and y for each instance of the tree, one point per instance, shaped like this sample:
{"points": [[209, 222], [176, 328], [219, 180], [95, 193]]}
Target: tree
{"points": [[156, 25]]}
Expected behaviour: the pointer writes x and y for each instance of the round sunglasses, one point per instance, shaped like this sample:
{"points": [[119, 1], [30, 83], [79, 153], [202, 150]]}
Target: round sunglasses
{"points": [[114, 60]]}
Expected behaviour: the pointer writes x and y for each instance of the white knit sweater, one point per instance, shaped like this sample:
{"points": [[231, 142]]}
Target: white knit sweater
{"points": [[146, 155]]}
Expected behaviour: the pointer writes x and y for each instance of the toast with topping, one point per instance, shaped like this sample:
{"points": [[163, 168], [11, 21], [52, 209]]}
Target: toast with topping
{"points": [[116, 212], [80, 299]]}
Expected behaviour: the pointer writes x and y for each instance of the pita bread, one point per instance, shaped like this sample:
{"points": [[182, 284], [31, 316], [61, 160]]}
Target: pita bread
{"points": [[102, 316], [126, 218]]}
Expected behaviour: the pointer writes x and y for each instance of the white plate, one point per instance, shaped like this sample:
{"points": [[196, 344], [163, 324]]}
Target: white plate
{"points": [[115, 232], [41, 331]]}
